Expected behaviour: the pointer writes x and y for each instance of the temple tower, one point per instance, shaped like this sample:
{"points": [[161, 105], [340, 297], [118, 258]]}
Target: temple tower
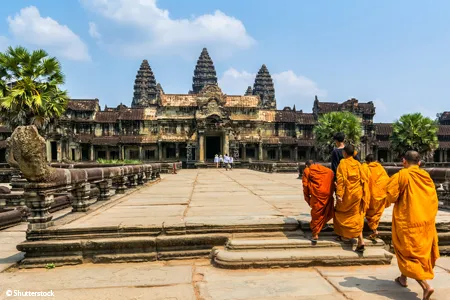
{"points": [[204, 73], [249, 91], [145, 90], [263, 87]]}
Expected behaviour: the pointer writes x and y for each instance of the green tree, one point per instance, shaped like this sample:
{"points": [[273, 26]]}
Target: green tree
{"points": [[414, 132], [29, 88], [331, 123]]}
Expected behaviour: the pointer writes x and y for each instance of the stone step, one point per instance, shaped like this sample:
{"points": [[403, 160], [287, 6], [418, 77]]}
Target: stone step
{"points": [[299, 257], [294, 242]]}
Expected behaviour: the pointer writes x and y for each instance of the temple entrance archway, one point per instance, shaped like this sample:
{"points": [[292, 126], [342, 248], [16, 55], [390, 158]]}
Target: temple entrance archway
{"points": [[213, 147]]}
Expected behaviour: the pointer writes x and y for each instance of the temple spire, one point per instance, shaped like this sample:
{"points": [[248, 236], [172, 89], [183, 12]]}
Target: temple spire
{"points": [[263, 87], [145, 91], [204, 73], [249, 91]]}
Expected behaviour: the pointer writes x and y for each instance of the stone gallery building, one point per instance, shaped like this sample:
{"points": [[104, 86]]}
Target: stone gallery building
{"points": [[195, 126]]}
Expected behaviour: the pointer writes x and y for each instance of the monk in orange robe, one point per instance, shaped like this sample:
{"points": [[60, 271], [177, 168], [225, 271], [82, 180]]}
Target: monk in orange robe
{"points": [[414, 234], [378, 180], [353, 197], [318, 189]]}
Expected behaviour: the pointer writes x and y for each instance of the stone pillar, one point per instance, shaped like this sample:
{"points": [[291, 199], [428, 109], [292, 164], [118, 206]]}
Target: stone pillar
{"points": [[441, 155], [105, 189], [445, 155], [296, 153], [121, 185], [141, 178], [39, 204], [49, 150], [244, 151], [226, 143], [121, 152], [108, 155], [80, 202], [260, 151], [280, 153], [132, 181], [201, 145], [91, 153], [160, 151], [177, 151], [308, 153], [141, 154]]}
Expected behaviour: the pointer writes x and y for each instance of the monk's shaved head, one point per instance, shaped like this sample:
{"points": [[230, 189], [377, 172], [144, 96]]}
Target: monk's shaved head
{"points": [[370, 158], [412, 157], [349, 150], [309, 162]]}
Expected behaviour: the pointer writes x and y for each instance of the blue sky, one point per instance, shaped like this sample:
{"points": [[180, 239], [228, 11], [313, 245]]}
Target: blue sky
{"points": [[395, 53]]}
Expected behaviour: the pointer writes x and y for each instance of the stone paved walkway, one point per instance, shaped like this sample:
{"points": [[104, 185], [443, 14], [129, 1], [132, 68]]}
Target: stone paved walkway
{"points": [[198, 280]]}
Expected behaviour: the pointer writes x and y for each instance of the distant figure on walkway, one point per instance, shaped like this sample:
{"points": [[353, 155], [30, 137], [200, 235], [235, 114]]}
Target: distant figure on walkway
{"points": [[378, 180], [338, 153], [231, 162], [221, 160], [226, 161], [353, 197], [414, 234], [318, 189], [216, 160]]}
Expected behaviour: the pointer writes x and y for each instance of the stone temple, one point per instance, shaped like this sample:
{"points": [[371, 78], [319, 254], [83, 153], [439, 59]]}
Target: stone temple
{"points": [[195, 126]]}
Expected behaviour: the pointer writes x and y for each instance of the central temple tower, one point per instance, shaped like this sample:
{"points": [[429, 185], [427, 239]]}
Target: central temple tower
{"points": [[204, 73]]}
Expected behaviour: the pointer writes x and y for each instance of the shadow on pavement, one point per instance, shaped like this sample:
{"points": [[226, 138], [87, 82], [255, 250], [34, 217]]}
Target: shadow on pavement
{"points": [[385, 288]]}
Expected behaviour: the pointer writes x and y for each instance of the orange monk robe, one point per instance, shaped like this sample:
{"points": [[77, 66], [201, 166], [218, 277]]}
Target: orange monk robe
{"points": [[352, 187], [318, 188], [414, 234], [378, 180]]}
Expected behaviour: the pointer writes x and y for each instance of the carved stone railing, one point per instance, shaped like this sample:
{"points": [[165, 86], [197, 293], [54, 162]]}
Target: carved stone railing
{"points": [[83, 187], [274, 167]]}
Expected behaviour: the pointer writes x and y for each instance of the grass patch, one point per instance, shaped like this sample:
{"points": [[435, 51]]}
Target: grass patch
{"points": [[119, 162]]}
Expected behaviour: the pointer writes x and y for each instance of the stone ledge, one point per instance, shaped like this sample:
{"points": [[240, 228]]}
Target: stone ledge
{"points": [[299, 258]]}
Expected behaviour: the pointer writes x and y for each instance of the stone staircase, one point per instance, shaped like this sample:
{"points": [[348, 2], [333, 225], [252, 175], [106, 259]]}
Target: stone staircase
{"points": [[294, 250]]}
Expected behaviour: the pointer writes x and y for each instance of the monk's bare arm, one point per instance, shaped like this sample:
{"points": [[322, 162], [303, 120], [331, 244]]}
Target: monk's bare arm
{"points": [[305, 181], [393, 189]]}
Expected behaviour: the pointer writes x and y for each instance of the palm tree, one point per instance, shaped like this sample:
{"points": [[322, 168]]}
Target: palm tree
{"points": [[331, 123], [29, 92], [414, 132]]}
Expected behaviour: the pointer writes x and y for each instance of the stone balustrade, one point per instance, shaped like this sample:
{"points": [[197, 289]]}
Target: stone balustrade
{"points": [[274, 167], [85, 186]]}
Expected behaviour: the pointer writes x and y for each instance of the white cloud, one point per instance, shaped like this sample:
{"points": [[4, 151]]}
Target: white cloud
{"points": [[93, 31], [290, 88], [30, 27], [152, 30]]}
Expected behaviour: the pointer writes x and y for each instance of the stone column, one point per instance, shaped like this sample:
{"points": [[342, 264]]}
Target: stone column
{"points": [[121, 185], [59, 153], [177, 151], [39, 204], [105, 189], [122, 152], [296, 153], [108, 155], [280, 153], [133, 181], [160, 151], [445, 155], [441, 155], [308, 153], [244, 151], [226, 143], [49, 151], [201, 145], [141, 153], [80, 202], [91, 153], [260, 151]]}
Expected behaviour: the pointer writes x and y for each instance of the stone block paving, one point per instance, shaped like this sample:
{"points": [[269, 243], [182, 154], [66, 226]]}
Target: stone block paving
{"points": [[198, 280]]}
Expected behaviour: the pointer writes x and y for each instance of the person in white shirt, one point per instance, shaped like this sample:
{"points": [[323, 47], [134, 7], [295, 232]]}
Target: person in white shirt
{"points": [[231, 162], [226, 161], [216, 160], [221, 160]]}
